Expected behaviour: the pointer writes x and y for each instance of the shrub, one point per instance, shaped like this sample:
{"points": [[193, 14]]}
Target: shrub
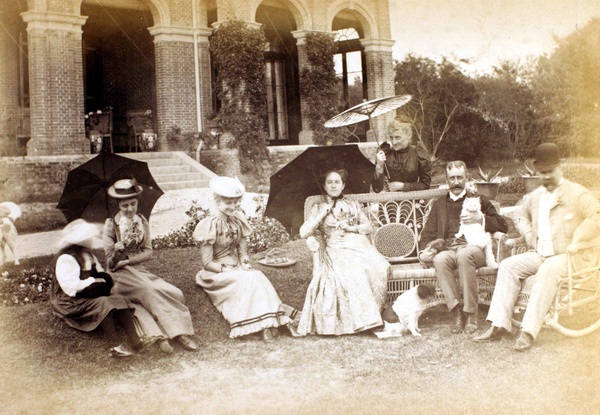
{"points": [[587, 175], [188, 142], [238, 56], [513, 184], [267, 232]]}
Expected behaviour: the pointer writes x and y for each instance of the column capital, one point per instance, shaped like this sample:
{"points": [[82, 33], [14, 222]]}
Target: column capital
{"points": [[377, 45], [300, 35], [179, 33], [37, 20]]}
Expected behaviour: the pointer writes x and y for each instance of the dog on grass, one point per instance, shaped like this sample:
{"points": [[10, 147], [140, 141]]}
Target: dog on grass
{"points": [[9, 212], [404, 314]]}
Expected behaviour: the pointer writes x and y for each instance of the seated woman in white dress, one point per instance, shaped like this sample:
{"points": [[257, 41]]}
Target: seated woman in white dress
{"points": [[244, 296], [347, 294]]}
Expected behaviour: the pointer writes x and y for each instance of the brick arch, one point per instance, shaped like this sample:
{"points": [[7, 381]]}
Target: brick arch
{"points": [[201, 11], [365, 18], [159, 9], [301, 15]]}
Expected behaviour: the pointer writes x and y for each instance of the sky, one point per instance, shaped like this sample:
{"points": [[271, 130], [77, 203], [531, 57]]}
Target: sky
{"points": [[484, 32]]}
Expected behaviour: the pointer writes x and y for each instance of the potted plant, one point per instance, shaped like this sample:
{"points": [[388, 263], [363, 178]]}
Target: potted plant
{"points": [[532, 181], [489, 184]]}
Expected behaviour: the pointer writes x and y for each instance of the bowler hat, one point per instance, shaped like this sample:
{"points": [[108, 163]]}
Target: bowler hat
{"points": [[546, 157]]}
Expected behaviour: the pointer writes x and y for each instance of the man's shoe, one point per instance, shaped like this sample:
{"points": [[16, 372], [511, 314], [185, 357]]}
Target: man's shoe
{"points": [[523, 342], [471, 324], [187, 342], [492, 334], [458, 320]]}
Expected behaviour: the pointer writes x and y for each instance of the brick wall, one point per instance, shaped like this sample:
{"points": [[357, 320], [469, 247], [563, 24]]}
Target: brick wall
{"points": [[56, 93], [36, 179], [175, 91]]}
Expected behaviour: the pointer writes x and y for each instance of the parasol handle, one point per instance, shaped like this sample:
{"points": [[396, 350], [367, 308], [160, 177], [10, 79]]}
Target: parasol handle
{"points": [[385, 168]]}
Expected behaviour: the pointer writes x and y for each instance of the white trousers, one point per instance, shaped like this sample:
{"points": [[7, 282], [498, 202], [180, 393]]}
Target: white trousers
{"points": [[513, 271]]}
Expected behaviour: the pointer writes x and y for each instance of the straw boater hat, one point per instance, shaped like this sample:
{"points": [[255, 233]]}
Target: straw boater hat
{"points": [[79, 232], [124, 189], [227, 187]]}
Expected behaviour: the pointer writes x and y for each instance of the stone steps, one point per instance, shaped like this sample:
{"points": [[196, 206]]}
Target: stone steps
{"points": [[174, 170]]}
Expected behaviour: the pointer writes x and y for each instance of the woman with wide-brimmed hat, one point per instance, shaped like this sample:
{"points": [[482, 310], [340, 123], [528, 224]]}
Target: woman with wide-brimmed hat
{"points": [[81, 291], [159, 306], [244, 296]]}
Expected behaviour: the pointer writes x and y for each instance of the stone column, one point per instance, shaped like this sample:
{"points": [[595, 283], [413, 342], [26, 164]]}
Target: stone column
{"points": [[56, 83], [9, 81], [204, 72], [380, 78]]}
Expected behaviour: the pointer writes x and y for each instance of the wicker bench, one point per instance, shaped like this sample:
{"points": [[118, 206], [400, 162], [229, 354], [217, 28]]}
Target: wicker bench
{"points": [[397, 219]]}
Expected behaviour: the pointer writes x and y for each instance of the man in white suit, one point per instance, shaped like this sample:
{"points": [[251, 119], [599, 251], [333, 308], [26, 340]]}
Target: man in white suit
{"points": [[558, 217]]}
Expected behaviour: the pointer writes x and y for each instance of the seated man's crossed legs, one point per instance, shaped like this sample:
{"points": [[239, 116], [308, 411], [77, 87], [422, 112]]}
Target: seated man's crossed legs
{"points": [[466, 259], [546, 273]]}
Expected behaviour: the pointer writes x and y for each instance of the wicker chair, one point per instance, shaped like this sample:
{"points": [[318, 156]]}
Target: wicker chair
{"points": [[398, 219]]}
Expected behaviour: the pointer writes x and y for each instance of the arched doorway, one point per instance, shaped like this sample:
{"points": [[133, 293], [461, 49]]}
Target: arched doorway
{"points": [[350, 66], [119, 65], [281, 72]]}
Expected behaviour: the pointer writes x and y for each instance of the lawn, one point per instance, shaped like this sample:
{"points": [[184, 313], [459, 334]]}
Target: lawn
{"points": [[50, 369]]}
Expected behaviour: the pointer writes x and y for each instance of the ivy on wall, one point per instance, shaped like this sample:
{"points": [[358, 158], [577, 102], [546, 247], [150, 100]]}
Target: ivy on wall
{"points": [[319, 88], [238, 56]]}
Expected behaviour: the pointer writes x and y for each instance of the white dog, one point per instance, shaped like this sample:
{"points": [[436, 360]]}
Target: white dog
{"points": [[9, 212], [405, 312]]}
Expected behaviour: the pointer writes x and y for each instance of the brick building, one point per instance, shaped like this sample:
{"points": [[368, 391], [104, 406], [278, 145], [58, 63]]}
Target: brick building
{"points": [[60, 59]]}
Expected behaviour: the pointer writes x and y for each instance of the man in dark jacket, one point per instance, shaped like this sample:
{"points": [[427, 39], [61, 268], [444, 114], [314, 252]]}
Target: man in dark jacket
{"points": [[443, 222]]}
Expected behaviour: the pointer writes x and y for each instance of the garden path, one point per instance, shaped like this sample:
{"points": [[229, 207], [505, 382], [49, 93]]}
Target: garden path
{"points": [[44, 243]]}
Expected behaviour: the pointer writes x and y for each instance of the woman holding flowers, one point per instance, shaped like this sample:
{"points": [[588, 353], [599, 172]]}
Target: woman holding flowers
{"points": [[160, 307]]}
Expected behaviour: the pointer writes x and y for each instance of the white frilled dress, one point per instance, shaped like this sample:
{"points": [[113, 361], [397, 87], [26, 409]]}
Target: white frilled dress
{"points": [[246, 299], [348, 293], [159, 306]]}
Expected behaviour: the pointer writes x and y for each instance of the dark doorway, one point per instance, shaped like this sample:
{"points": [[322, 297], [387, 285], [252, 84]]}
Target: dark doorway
{"points": [[281, 73], [119, 72]]}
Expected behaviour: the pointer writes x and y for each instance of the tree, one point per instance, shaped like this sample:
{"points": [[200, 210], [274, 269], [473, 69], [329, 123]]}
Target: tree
{"points": [[508, 100], [568, 81], [441, 93]]}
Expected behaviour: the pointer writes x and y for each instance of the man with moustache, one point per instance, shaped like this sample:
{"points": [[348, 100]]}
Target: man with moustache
{"points": [[443, 222], [558, 217]]}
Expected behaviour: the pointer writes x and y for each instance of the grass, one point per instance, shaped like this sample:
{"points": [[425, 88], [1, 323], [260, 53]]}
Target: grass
{"points": [[49, 368]]}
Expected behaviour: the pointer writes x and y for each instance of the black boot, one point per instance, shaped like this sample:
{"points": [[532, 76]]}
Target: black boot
{"points": [[458, 320]]}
